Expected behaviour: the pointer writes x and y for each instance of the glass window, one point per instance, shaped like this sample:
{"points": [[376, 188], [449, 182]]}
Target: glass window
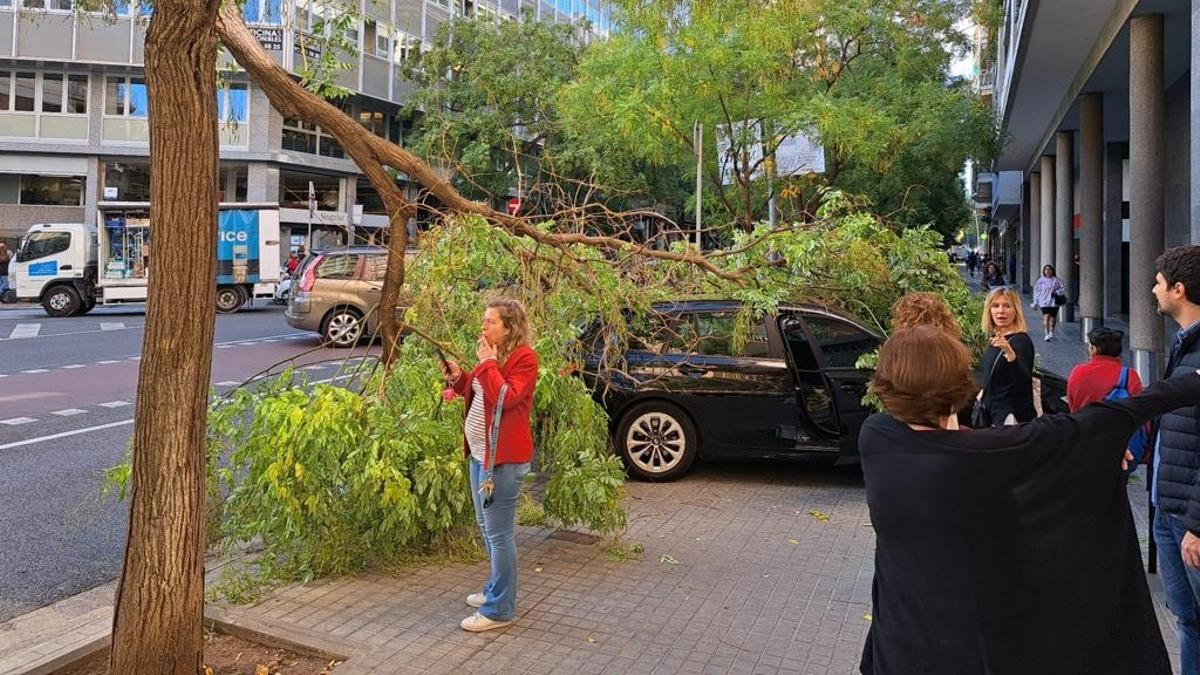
{"points": [[338, 267], [716, 336], [139, 103], [665, 333], [330, 148], [114, 95], [121, 7], [5, 89], [272, 11], [35, 4], [376, 267], [250, 11], [231, 103], [145, 8], [52, 190], [368, 198], [293, 190], [42, 244], [6, 3], [77, 94], [52, 92], [131, 179], [841, 342], [62, 5], [25, 90]]}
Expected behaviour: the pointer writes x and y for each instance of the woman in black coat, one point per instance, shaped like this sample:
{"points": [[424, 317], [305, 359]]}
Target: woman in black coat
{"points": [[1008, 362], [1002, 550]]}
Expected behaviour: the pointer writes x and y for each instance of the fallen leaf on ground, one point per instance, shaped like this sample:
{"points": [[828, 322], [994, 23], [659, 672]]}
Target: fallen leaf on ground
{"points": [[260, 669], [208, 671], [819, 515], [793, 541], [538, 568], [591, 639], [666, 558]]}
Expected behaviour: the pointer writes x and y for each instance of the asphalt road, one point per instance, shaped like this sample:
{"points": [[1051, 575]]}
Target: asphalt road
{"points": [[67, 399]]}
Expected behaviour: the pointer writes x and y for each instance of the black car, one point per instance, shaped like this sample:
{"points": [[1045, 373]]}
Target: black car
{"points": [[691, 384]]}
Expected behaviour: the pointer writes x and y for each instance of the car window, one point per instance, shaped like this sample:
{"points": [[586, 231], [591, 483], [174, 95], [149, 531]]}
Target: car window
{"points": [[337, 267], [842, 342], [716, 333], [42, 244], [376, 267], [664, 333]]}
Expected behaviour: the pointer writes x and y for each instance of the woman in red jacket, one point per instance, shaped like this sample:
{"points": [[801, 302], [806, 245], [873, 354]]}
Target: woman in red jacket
{"points": [[499, 447]]}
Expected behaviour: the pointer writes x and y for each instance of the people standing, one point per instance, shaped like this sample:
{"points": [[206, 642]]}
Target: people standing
{"points": [[1175, 490], [499, 445], [1008, 362], [293, 262], [924, 309], [1048, 294], [992, 277], [972, 262], [1095, 379], [5, 258], [1006, 550]]}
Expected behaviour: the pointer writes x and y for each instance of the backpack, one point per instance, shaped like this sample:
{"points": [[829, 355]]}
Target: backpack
{"points": [[1141, 438]]}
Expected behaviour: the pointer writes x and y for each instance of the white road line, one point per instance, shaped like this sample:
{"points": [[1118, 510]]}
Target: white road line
{"points": [[51, 437], [68, 412], [228, 383], [112, 326], [225, 346], [135, 358], [271, 340], [34, 371], [17, 420], [247, 344], [107, 362], [73, 366], [115, 404], [313, 367], [3, 375], [25, 330]]}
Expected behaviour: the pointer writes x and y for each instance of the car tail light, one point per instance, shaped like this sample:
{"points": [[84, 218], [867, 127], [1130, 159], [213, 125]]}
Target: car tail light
{"points": [[310, 275]]}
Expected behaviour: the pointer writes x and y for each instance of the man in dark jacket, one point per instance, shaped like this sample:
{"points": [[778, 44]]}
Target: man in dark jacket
{"points": [[1176, 487]]}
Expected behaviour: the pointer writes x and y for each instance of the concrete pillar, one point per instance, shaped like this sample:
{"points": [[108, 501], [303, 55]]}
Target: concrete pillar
{"points": [[93, 190], [1091, 212], [262, 183], [1114, 279], [1047, 210], [1023, 280], [1064, 211], [1146, 149], [1195, 123], [1035, 227]]}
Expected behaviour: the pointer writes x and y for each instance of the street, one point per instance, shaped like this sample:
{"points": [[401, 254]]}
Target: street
{"points": [[67, 398]]}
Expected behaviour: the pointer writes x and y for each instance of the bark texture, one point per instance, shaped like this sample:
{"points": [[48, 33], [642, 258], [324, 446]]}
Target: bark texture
{"points": [[160, 598]]}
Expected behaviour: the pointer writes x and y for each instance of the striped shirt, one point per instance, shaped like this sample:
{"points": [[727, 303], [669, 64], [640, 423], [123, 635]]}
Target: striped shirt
{"points": [[476, 426]]}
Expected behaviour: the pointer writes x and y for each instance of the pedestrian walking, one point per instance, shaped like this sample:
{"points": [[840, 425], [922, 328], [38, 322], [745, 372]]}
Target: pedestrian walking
{"points": [[1175, 488], [499, 447], [1003, 550], [1007, 393], [992, 277], [1048, 295], [972, 262], [5, 258], [1095, 379]]}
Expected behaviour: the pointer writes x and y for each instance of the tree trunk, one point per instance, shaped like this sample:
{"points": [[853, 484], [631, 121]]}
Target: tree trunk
{"points": [[160, 598]]}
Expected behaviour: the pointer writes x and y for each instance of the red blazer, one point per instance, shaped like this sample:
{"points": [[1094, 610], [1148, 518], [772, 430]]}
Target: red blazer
{"points": [[519, 372]]}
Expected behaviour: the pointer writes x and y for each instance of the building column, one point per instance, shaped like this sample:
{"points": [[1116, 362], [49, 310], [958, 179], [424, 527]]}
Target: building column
{"points": [[1114, 279], [1146, 174], [1195, 122], [1064, 211], [1047, 218], [1024, 242], [93, 190], [1035, 228], [1091, 212], [262, 183]]}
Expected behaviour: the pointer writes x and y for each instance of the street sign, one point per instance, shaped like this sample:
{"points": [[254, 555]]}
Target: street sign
{"points": [[513, 206], [798, 154]]}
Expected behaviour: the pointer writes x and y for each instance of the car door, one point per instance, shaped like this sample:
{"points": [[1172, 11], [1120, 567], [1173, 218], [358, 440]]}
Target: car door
{"points": [[814, 412], [740, 393], [841, 343]]}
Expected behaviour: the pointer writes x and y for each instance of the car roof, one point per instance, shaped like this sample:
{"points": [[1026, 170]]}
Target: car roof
{"points": [[680, 306]]}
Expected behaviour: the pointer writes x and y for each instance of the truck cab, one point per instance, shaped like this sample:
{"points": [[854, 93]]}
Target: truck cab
{"points": [[56, 266]]}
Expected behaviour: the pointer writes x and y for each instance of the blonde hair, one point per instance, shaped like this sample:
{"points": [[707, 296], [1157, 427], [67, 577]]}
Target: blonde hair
{"points": [[924, 309], [1009, 294], [512, 315]]}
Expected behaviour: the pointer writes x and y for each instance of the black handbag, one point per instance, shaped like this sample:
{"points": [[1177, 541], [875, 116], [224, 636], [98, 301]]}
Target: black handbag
{"points": [[1060, 297], [981, 414]]}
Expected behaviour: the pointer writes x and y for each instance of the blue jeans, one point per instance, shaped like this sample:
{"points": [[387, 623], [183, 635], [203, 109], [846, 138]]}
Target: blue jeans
{"points": [[3, 284], [496, 523], [1181, 585]]}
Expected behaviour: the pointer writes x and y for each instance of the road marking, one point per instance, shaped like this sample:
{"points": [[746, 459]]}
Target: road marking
{"points": [[3, 375], [247, 344], [313, 367], [65, 434], [73, 366], [25, 330], [115, 404], [35, 371], [271, 340], [228, 383], [17, 420], [135, 358], [68, 412], [225, 346], [112, 326], [107, 362]]}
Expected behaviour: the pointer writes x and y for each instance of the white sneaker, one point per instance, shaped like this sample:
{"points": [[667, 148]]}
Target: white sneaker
{"points": [[477, 623], [1048, 336], [476, 599]]}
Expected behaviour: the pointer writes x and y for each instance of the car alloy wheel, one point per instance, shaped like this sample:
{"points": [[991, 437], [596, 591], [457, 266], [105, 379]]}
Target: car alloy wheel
{"points": [[343, 329], [655, 442]]}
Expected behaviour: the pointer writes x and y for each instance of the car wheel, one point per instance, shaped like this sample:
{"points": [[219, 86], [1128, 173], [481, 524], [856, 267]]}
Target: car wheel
{"points": [[229, 299], [657, 441], [61, 301], [343, 327]]}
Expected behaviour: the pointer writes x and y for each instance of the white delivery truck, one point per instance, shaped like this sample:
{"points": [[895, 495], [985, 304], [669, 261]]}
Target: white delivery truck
{"points": [[71, 267]]}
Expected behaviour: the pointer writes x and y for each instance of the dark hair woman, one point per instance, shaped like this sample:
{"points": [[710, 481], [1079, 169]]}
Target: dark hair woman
{"points": [[1002, 550], [499, 446], [992, 277]]}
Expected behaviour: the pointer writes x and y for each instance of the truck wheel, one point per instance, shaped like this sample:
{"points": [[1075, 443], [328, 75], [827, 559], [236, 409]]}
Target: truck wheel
{"points": [[61, 301], [229, 299], [86, 306]]}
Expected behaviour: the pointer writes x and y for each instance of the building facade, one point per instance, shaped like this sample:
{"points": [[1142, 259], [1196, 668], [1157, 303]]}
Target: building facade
{"points": [[73, 109], [1100, 110]]}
